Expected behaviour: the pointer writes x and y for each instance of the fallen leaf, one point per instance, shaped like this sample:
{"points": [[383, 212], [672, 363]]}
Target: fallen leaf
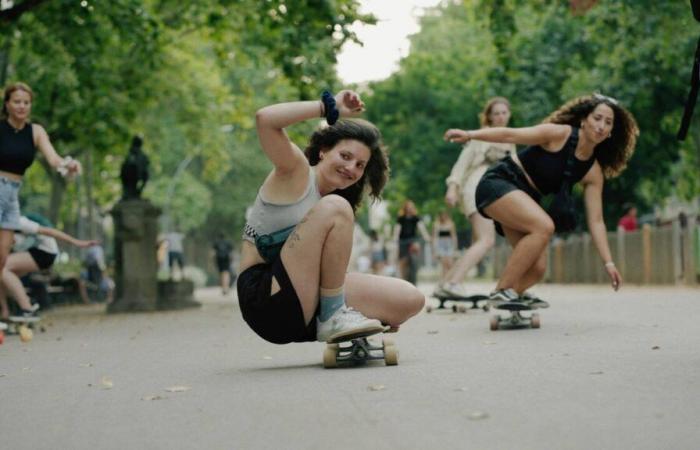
{"points": [[478, 415], [177, 389], [107, 383], [656, 347]]}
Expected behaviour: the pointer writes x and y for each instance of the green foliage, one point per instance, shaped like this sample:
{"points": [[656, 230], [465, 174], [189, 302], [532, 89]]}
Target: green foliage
{"points": [[539, 55]]}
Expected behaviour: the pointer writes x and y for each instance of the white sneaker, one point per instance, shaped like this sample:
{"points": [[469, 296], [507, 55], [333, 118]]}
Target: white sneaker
{"points": [[454, 290], [344, 324]]}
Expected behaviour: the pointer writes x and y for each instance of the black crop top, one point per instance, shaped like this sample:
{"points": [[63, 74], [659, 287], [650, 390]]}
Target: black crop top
{"points": [[17, 149], [546, 169]]}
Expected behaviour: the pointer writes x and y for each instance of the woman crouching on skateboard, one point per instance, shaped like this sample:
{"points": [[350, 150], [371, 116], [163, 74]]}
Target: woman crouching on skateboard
{"points": [[306, 208], [600, 135]]}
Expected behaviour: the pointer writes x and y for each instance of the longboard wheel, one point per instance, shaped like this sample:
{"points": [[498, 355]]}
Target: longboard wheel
{"points": [[25, 334], [493, 323], [387, 342], [455, 308], [330, 356], [391, 355], [428, 309], [486, 308], [535, 321]]}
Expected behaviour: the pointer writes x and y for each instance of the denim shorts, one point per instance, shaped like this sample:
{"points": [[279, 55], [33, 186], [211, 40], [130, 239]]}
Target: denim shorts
{"points": [[502, 178], [276, 318], [9, 204]]}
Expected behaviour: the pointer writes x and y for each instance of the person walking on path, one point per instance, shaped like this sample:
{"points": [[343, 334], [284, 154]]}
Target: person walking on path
{"points": [[476, 157], [586, 140], [293, 284]]}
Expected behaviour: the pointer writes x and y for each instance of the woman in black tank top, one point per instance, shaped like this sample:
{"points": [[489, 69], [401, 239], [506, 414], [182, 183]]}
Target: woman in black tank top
{"points": [[602, 136], [19, 139]]}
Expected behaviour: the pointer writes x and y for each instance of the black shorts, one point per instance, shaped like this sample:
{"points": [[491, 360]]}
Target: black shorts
{"points": [[502, 178], [276, 318], [223, 264], [43, 259]]}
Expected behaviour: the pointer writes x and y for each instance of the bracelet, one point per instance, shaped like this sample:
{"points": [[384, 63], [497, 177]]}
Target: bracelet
{"points": [[332, 112], [609, 264]]}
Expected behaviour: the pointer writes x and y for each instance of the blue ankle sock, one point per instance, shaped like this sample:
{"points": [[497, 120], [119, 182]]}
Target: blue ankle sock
{"points": [[331, 300]]}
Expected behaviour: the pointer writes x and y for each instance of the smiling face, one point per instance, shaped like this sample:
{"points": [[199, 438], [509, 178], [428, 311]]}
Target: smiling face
{"points": [[344, 164], [19, 106], [599, 123], [499, 115]]}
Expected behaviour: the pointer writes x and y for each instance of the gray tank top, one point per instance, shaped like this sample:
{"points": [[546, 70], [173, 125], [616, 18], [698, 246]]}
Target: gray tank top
{"points": [[266, 217]]}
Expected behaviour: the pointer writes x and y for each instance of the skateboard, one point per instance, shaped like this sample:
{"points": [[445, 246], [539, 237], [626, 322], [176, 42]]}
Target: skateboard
{"points": [[515, 318], [23, 327], [358, 349], [455, 299]]}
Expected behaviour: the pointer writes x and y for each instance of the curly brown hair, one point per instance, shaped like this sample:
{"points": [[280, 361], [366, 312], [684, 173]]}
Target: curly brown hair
{"points": [[613, 153], [376, 171]]}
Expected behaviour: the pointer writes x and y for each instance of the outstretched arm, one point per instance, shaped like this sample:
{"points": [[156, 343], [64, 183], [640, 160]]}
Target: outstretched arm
{"points": [[592, 194], [272, 120], [543, 134], [65, 237]]}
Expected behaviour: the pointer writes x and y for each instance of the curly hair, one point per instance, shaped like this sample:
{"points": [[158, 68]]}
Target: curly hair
{"points": [[376, 171], [484, 118], [613, 153]]}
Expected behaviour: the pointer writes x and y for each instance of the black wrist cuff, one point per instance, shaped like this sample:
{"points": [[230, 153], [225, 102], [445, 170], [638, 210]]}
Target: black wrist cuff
{"points": [[332, 112]]}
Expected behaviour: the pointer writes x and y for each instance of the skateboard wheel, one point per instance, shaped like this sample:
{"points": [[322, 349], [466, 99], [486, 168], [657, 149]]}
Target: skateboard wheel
{"points": [[387, 342], [462, 309], [486, 308], [25, 334], [455, 308], [428, 309], [535, 321], [330, 357], [333, 346], [391, 355], [493, 323]]}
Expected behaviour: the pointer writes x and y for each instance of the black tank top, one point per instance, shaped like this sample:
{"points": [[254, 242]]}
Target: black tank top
{"points": [[17, 149], [546, 169]]}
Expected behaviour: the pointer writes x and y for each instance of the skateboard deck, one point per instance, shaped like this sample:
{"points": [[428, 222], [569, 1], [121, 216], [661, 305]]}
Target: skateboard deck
{"points": [[456, 299], [515, 317], [357, 349]]}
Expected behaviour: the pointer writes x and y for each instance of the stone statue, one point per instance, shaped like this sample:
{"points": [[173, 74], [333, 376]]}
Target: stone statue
{"points": [[134, 171]]}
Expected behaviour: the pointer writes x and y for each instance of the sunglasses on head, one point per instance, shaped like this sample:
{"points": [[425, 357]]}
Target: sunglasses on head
{"points": [[598, 96]]}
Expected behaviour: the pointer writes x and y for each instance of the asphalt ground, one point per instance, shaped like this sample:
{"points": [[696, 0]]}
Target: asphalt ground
{"points": [[606, 370]]}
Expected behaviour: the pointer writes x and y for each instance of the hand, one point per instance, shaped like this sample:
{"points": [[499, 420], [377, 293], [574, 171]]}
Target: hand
{"points": [[451, 197], [85, 244], [615, 277], [457, 135], [70, 168], [349, 103]]}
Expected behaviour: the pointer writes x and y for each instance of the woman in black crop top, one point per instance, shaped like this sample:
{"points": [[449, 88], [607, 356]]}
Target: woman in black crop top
{"points": [[19, 139], [602, 135]]}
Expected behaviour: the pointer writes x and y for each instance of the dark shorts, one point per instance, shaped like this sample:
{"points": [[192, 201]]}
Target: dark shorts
{"points": [[223, 264], [502, 178], [405, 247], [276, 318], [176, 257], [42, 259]]}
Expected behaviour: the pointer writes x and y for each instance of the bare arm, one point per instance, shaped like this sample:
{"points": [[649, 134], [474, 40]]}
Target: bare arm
{"points": [[593, 194], [545, 135], [65, 237], [42, 141], [272, 120]]}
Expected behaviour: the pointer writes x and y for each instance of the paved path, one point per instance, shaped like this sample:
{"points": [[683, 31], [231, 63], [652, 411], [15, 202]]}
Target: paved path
{"points": [[606, 371]]}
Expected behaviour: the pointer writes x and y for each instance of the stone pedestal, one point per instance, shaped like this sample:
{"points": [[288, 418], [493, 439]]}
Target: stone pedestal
{"points": [[136, 266], [176, 295]]}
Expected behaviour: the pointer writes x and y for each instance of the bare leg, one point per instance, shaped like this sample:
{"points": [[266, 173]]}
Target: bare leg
{"points": [[6, 239], [517, 211], [391, 300], [317, 253], [224, 280], [484, 237], [536, 272], [4, 309], [18, 264]]}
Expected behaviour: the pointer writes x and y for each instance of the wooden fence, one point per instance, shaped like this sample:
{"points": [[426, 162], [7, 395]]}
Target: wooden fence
{"points": [[652, 255]]}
